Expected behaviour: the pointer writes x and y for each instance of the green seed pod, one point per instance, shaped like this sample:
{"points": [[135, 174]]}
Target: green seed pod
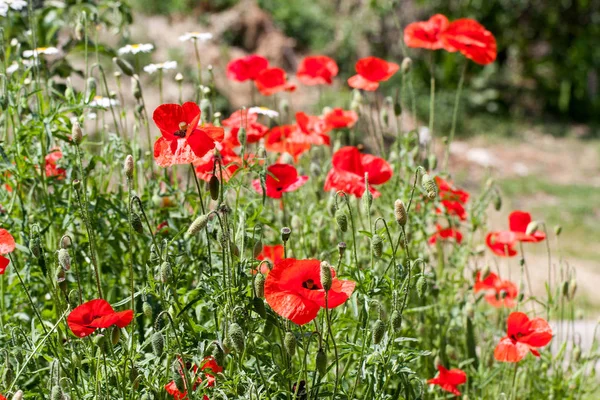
{"points": [[158, 344], [396, 320], [289, 342], [429, 186], [56, 393], [285, 233], [199, 223], [497, 202], [147, 309], [166, 272], [124, 66], [213, 187], [259, 306], [377, 246], [321, 362], [136, 222], [64, 259], [421, 286], [326, 276], [400, 212], [342, 220], [35, 247], [236, 336], [259, 285], [116, 335], [257, 249], [378, 331], [342, 248]]}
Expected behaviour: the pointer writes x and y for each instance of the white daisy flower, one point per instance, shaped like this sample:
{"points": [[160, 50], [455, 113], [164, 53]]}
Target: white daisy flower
{"points": [[92, 115], [104, 102], [16, 5], [264, 111], [136, 48], [199, 36], [40, 50], [12, 68], [152, 68], [3, 9]]}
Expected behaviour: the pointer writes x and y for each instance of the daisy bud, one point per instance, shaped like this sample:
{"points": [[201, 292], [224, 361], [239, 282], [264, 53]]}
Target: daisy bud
{"points": [[259, 306], [76, 133], [326, 276], [128, 166], [497, 202], [124, 66], [289, 342], [396, 320], [236, 336], [285, 233], [342, 220], [35, 247], [377, 246], [378, 331], [147, 309], [213, 187], [531, 227], [429, 186], [116, 335], [400, 212], [259, 285], [321, 362], [242, 136], [198, 224], [136, 89], [178, 77], [557, 230], [56, 393], [342, 248], [421, 286], [166, 272], [406, 65], [64, 259], [18, 395], [176, 373], [117, 75], [136, 222], [158, 344]]}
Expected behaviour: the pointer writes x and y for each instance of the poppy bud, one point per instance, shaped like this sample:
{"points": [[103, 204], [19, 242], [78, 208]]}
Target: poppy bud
{"points": [[257, 249], [497, 202], [268, 329], [218, 353], [8, 375], [377, 245], [572, 288], [378, 331], [342, 220], [421, 286], [484, 272], [367, 199], [56, 393], [565, 289], [259, 306], [289, 342], [285, 233], [198, 224], [261, 152], [124, 66], [557, 230], [136, 222], [400, 212], [259, 285], [406, 65], [64, 259], [35, 247], [136, 89], [76, 133], [236, 337], [342, 248], [75, 360], [396, 320], [147, 309], [128, 166], [213, 187], [166, 272], [326, 276], [429, 186], [158, 344], [397, 108], [431, 161], [321, 362], [154, 256], [176, 372], [531, 227], [577, 353], [357, 98], [116, 335], [242, 136], [234, 249], [18, 395]]}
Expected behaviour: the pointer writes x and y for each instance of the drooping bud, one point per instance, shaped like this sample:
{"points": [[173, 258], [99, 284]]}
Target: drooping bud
{"points": [[91, 88], [289, 342], [259, 306], [158, 344], [147, 309], [136, 89], [116, 335], [124, 66], [572, 288], [429, 186], [76, 133], [531, 228], [213, 187], [236, 336], [326, 276], [218, 353], [259, 285], [421, 286], [285, 233], [136, 222], [128, 166], [406, 65], [154, 256], [35, 247], [176, 375], [400, 212], [396, 320], [497, 201], [198, 224], [378, 331], [342, 220], [64, 259], [377, 246], [257, 249]]}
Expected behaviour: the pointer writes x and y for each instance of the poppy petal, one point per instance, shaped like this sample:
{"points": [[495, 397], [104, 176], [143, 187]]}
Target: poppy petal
{"points": [[509, 351], [359, 82], [3, 264], [7, 242]]}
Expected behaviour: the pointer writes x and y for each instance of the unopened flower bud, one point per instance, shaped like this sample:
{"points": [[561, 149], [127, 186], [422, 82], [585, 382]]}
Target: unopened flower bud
{"points": [[326, 276], [198, 224], [572, 288], [429, 186], [18, 395], [378, 331], [64, 259], [176, 375], [485, 272], [531, 228], [242, 136], [124, 66], [213, 187], [236, 336], [397, 108], [497, 202], [166, 272], [342, 248], [377, 245], [400, 212], [136, 89], [147, 309], [116, 335], [35, 247], [158, 344], [421, 286], [342, 220], [321, 362], [178, 77], [396, 320], [76, 133], [56, 393], [289, 342], [136, 222], [286, 158], [128, 166], [285, 233], [406, 65], [557, 230], [259, 285]]}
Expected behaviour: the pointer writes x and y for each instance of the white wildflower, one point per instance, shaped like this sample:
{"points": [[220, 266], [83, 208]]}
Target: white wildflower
{"points": [[199, 36], [136, 48], [40, 50], [263, 111], [152, 68]]}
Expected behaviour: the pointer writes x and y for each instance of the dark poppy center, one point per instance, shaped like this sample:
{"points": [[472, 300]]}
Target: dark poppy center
{"points": [[310, 285], [182, 130], [279, 188]]}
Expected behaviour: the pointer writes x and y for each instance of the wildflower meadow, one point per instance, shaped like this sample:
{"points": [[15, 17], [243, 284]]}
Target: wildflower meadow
{"points": [[197, 250]]}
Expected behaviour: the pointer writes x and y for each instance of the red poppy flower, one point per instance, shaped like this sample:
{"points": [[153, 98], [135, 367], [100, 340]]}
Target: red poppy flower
{"points": [[279, 140], [249, 120], [273, 80], [94, 314], [2, 397], [209, 367], [230, 160], [317, 70], [518, 222], [371, 71], [523, 335], [339, 118], [50, 164], [311, 129], [349, 168], [426, 34], [293, 290], [453, 207], [447, 191], [7, 245], [498, 292], [471, 39], [272, 253], [448, 380], [245, 68], [281, 178], [502, 243], [182, 141], [445, 234]]}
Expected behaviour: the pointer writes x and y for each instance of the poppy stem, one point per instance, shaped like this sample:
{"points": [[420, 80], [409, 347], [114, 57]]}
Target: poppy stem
{"points": [[514, 380], [335, 351], [454, 115]]}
